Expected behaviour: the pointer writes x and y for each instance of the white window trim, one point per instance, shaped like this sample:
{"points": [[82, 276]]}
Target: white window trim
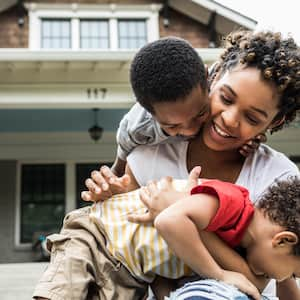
{"points": [[75, 12], [70, 193]]}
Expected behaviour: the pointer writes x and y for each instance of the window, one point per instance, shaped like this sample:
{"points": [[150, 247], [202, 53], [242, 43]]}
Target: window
{"points": [[92, 26], [94, 34], [132, 33], [42, 199], [83, 171], [55, 34]]}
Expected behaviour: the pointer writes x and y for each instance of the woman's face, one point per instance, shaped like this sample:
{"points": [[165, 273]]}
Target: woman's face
{"points": [[242, 106]]}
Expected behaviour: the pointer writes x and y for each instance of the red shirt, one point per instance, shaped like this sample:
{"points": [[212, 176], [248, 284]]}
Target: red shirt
{"points": [[234, 213]]}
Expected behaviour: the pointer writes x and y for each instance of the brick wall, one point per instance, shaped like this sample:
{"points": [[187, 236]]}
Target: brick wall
{"points": [[185, 27], [13, 36]]}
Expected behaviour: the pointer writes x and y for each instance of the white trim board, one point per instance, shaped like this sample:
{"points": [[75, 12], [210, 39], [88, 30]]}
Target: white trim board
{"points": [[57, 146], [74, 12], [66, 96]]}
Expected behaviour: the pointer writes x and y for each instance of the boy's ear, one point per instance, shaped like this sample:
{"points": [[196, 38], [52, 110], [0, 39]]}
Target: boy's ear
{"points": [[285, 238], [277, 123]]}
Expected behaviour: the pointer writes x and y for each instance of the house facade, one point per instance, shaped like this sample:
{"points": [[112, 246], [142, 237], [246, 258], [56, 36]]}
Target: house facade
{"points": [[63, 70]]}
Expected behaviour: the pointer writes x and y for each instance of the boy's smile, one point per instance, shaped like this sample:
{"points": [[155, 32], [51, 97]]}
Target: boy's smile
{"points": [[183, 117]]}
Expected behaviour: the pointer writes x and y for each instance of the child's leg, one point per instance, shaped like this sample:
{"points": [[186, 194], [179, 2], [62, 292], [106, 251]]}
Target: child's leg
{"points": [[82, 268]]}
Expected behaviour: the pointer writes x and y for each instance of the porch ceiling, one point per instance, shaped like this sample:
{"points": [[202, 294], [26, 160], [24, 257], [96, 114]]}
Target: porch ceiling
{"points": [[18, 59]]}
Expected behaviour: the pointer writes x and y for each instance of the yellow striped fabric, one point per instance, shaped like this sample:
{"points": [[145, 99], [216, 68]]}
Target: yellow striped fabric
{"points": [[138, 246]]}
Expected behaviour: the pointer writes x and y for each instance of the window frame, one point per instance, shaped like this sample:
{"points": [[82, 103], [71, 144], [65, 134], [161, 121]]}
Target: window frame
{"points": [[43, 37], [76, 12], [70, 190], [18, 221]]}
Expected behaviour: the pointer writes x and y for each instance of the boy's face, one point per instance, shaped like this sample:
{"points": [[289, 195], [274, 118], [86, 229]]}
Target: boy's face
{"points": [[183, 117], [273, 260]]}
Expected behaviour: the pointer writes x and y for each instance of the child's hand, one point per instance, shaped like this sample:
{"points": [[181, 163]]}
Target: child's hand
{"points": [[103, 184], [159, 195], [242, 283], [253, 144]]}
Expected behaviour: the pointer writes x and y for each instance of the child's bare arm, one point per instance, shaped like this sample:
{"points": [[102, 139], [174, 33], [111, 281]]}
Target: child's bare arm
{"points": [[288, 290], [229, 259], [180, 225], [118, 167]]}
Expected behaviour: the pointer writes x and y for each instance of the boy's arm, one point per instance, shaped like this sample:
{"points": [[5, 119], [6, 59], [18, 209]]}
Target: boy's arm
{"points": [[118, 167], [230, 259], [288, 290], [180, 225], [137, 127], [162, 287]]}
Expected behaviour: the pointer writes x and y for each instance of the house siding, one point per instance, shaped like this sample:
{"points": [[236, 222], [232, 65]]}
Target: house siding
{"points": [[186, 28], [13, 36]]}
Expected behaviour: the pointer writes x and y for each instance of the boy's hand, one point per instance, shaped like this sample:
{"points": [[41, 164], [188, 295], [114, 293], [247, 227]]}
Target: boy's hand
{"points": [[103, 184], [242, 283], [156, 197], [253, 144]]}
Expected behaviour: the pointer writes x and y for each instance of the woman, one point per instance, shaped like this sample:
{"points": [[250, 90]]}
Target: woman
{"points": [[255, 88]]}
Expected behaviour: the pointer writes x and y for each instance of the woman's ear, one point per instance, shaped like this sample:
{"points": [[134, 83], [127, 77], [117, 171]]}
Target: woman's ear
{"points": [[284, 238]]}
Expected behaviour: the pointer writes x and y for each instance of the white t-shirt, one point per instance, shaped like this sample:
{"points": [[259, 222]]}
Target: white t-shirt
{"points": [[259, 171]]}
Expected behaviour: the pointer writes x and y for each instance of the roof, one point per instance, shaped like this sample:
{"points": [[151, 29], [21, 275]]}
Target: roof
{"points": [[201, 10], [5, 4]]}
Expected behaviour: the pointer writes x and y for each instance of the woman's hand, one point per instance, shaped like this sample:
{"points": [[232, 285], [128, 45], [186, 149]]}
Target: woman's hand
{"points": [[242, 283], [253, 144], [159, 195], [103, 184]]}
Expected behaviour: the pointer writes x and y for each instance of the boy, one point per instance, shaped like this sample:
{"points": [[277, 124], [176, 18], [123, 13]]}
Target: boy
{"points": [[142, 252], [167, 73], [169, 81]]}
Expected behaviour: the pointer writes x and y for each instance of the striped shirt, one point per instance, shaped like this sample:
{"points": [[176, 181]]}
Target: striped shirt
{"points": [[138, 246]]}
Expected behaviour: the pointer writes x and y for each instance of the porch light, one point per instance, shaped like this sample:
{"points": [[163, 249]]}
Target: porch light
{"points": [[95, 131]]}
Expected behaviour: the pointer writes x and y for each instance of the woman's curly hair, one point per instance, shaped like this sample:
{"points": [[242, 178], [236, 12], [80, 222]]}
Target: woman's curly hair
{"points": [[277, 58], [281, 203]]}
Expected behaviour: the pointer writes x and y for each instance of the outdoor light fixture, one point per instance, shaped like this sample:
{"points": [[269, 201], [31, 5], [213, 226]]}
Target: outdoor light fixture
{"points": [[21, 13], [95, 131], [165, 14]]}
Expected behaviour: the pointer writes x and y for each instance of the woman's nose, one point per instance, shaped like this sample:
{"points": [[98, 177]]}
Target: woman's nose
{"points": [[230, 118]]}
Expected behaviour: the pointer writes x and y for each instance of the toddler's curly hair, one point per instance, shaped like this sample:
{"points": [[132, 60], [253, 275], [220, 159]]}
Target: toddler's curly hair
{"points": [[281, 203], [276, 57]]}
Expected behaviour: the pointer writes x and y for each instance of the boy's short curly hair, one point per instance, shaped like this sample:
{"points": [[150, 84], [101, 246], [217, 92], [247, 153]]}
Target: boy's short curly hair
{"points": [[166, 70], [281, 203], [277, 58]]}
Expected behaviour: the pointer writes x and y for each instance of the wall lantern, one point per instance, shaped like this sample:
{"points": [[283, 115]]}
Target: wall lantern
{"points": [[95, 131]]}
